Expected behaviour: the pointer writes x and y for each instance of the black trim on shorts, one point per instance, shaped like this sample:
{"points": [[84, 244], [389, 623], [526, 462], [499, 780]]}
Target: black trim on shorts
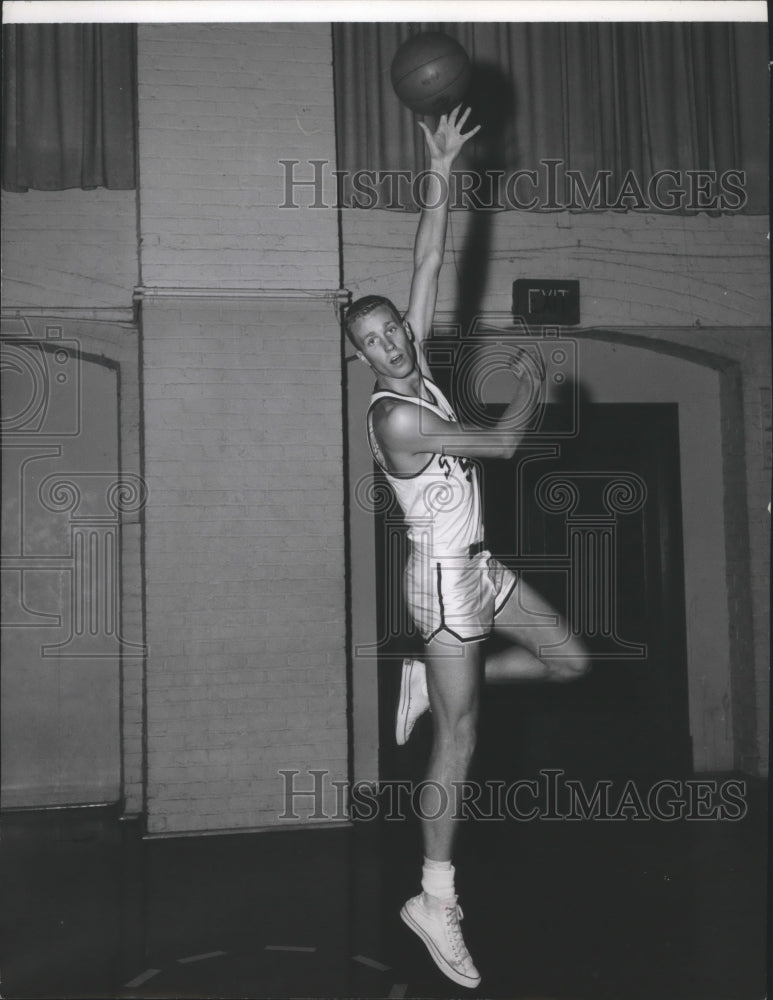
{"points": [[472, 638], [463, 639], [442, 627], [439, 571], [506, 598]]}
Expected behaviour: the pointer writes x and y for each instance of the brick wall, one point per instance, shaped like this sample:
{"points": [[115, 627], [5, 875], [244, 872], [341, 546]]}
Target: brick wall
{"points": [[244, 546], [220, 107], [244, 446], [634, 269], [72, 249]]}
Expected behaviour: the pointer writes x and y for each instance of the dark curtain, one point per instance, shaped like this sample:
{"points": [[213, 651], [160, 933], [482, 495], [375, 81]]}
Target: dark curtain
{"points": [[69, 106], [631, 99]]}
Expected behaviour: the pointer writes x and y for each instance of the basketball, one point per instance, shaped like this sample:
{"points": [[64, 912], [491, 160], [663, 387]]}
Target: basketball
{"points": [[430, 73]]}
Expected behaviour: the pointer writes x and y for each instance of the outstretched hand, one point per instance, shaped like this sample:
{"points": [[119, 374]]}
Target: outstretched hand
{"points": [[447, 139]]}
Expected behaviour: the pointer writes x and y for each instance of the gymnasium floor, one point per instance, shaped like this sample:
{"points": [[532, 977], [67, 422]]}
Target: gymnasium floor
{"points": [[620, 911]]}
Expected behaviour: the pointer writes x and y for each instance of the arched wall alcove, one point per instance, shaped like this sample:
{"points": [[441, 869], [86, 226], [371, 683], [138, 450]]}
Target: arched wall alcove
{"points": [[73, 502]]}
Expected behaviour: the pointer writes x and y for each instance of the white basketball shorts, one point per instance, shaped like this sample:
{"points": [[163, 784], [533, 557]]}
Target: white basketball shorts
{"points": [[459, 593]]}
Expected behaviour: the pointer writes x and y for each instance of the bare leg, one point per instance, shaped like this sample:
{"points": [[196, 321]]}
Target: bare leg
{"points": [[537, 646], [453, 678], [542, 649]]}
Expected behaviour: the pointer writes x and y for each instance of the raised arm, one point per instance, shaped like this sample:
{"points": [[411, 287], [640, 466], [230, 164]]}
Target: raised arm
{"points": [[444, 145]]}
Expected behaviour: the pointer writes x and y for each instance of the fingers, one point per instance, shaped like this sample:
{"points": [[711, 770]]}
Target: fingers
{"points": [[452, 118], [446, 139], [457, 123]]}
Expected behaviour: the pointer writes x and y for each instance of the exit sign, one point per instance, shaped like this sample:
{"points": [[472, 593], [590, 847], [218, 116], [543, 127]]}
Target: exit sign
{"points": [[547, 303]]}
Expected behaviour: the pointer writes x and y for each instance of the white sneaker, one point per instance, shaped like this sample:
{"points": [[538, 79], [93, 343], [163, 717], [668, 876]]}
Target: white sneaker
{"points": [[437, 924], [413, 700]]}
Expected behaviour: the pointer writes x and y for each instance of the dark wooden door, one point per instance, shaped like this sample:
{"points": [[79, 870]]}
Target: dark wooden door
{"points": [[594, 523]]}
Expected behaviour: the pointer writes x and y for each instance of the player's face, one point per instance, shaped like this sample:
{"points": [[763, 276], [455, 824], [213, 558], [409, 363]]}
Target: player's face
{"points": [[385, 344]]}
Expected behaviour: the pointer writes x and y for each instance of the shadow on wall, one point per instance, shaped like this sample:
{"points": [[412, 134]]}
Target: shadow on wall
{"points": [[493, 107]]}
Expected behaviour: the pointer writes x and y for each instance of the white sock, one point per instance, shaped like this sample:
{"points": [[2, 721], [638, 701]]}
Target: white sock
{"points": [[437, 879]]}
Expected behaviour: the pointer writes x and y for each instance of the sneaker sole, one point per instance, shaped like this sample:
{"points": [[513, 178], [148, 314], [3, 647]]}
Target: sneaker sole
{"points": [[401, 736], [435, 955]]}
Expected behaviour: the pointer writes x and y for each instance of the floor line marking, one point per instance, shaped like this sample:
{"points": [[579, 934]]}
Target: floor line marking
{"points": [[288, 947], [200, 958], [142, 978], [363, 960], [398, 991]]}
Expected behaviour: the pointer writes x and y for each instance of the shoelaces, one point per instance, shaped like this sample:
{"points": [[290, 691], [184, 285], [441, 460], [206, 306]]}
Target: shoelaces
{"points": [[453, 913]]}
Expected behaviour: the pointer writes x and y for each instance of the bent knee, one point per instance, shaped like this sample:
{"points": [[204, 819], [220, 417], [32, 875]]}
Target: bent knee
{"points": [[579, 667], [571, 668]]}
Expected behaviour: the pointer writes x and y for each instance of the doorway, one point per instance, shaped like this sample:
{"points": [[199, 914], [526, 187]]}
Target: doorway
{"points": [[630, 715]]}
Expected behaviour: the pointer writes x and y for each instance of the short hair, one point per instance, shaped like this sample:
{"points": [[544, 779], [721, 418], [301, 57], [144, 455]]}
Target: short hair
{"points": [[364, 306]]}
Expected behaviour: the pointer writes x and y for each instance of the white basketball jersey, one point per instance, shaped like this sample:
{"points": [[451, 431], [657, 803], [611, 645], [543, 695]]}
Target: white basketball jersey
{"points": [[441, 502]]}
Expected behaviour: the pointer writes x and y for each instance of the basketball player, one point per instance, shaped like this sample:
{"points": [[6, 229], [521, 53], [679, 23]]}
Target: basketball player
{"points": [[455, 590]]}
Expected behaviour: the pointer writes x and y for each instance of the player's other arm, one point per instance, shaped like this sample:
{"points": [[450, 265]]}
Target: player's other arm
{"points": [[408, 429], [444, 145]]}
